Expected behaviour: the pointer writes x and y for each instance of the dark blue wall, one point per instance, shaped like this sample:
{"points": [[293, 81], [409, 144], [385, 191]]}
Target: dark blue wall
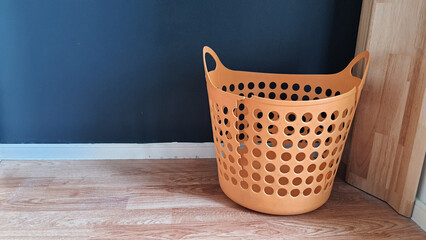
{"points": [[131, 71]]}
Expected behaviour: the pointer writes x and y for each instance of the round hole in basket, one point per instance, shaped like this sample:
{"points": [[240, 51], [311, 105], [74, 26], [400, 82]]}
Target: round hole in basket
{"points": [[304, 131], [256, 188], [345, 113], [307, 191], [269, 179], [250, 85], [309, 180], [271, 155], [272, 129], [257, 140], [241, 161], [258, 113], [316, 143], [287, 144], [302, 143], [283, 181], [298, 169], [271, 142], [319, 130], [320, 177], [341, 126], [289, 130], [296, 87], [256, 176], [295, 192], [256, 165], [297, 181], [290, 117], [273, 116], [284, 169], [243, 173], [286, 156], [270, 167], [231, 159], [307, 117], [311, 168], [307, 88], [282, 192], [300, 156], [338, 139], [334, 115], [328, 141], [269, 190], [317, 190], [318, 90], [244, 184]]}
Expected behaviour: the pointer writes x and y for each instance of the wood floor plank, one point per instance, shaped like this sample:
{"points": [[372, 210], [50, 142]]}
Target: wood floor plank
{"points": [[169, 199]]}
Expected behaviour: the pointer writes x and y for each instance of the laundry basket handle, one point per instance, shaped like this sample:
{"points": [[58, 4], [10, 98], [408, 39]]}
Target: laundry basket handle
{"points": [[364, 55], [210, 51]]}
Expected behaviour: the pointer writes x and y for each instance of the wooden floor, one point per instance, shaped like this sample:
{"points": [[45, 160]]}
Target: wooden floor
{"points": [[168, 199]]}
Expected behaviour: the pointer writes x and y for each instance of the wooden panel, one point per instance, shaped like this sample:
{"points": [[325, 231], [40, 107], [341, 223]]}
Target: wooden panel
{"points": [[387, 147], [169, 199]]}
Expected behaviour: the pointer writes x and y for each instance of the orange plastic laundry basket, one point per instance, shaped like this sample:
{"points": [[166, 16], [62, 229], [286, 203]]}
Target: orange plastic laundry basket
{"points": [[279, 137]]}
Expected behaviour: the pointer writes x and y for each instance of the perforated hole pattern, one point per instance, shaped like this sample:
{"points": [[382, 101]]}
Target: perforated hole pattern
{"points": [[292, 165], [282, 90], [257, 152]]}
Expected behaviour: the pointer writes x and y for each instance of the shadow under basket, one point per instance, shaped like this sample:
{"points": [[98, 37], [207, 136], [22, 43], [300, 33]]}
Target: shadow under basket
{"points": [[279, 137]]}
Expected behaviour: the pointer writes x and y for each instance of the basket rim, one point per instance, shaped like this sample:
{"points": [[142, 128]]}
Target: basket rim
{"points": [[279, 102], [347, 71]]}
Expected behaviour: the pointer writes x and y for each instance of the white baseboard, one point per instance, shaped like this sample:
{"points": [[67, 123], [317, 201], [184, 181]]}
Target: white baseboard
{"points": [[106, 151], [419, 214]]}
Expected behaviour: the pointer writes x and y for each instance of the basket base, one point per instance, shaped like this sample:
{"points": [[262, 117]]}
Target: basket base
{"points": [[273, 204]]}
